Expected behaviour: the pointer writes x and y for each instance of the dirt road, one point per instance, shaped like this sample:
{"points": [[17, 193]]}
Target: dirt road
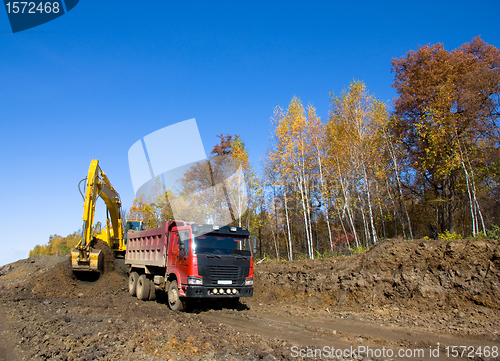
{"points": [[408, 296], [345, 331]]}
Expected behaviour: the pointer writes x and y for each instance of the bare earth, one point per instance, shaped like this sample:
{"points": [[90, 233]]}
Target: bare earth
{"points": [[409, 296]]}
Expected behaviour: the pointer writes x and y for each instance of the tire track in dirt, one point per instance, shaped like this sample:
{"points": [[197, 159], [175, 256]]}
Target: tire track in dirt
{"points": [[314, 332], [271, 328]]}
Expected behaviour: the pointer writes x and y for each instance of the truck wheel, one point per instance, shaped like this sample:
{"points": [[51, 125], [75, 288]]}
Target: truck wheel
{"points": [[143, 288], [174, 301], [152, 290], [132, 283]]}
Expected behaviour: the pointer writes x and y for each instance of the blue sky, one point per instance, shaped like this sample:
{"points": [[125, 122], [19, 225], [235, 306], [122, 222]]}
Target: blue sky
{"points": [[94, 81]]}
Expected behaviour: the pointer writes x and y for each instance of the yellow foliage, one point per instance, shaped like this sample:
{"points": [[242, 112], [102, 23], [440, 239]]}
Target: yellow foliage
{"points": [[152, 212], [57, 245]]}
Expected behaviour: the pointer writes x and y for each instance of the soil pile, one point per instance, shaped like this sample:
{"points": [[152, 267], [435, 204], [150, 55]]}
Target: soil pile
{"points": [[17, 273], [421, 275], [59, 279]]}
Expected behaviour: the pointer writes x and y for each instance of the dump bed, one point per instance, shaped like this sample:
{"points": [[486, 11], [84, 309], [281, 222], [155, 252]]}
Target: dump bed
{"points": [[148, 248]]}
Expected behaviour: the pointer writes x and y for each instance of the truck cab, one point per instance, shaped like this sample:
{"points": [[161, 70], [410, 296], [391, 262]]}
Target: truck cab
{"points": [[191, 261], [221, 260]]}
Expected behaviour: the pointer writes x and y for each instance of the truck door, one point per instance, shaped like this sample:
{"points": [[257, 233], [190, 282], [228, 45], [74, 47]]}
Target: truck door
{"points": [[179, 257]]}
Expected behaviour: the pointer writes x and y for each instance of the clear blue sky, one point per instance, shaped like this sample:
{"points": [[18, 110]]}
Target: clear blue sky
{"points": [[94, 81]]}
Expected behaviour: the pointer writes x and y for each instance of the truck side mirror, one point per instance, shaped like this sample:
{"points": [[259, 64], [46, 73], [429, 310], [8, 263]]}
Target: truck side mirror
{"points": [[254, 245]]}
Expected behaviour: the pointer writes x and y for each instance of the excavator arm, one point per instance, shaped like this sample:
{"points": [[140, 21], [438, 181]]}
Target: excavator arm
{"points": [[84, 257]]}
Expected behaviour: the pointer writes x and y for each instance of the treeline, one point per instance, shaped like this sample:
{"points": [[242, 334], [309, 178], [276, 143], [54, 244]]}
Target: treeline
{"points": [[429, 166], [57, 245]]}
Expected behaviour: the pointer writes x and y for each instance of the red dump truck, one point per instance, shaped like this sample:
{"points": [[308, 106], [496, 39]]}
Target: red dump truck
{"points": [[190, 261]]}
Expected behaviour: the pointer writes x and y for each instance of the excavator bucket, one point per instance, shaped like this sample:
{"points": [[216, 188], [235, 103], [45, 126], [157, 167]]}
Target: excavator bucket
{"points": [[90, 261]]}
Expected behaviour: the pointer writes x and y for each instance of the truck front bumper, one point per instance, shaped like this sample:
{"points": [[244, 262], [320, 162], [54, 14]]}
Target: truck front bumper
{"points": [[217, 291]]}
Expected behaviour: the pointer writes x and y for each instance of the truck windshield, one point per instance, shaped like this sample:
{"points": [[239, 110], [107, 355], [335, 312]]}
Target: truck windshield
{"points": [[221, 245]]}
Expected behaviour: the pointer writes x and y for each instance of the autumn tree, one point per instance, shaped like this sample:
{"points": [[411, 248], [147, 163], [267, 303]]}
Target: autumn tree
{"points": [[218, 189], [253, 190], [57, 245], [356, 155], [316, 133], [447, 114], [295, 171], [154, 209]]}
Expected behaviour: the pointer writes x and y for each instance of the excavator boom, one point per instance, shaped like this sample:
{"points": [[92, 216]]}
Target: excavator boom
{"points": [[84, 257]]}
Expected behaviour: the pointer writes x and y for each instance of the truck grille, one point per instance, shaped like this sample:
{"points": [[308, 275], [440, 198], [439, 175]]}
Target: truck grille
{"points": [[223, 273], [223, 269]]}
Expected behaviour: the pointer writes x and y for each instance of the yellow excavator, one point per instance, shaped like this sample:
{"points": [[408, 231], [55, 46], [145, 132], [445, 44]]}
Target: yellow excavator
{"points": [[84, 257]]}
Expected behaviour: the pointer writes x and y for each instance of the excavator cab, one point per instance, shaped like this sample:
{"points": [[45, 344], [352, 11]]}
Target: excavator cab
{"points": [[133, 226]]}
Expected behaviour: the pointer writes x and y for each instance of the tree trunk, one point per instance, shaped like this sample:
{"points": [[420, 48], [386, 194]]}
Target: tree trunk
{"points": [[448, 206], [326, 199], [304, 212], [392, 153], [368, 196], [346, 206], [290, 254]]}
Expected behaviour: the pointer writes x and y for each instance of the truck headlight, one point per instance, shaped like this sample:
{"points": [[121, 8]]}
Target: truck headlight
{"points": [[198, 281], [249, 282]]}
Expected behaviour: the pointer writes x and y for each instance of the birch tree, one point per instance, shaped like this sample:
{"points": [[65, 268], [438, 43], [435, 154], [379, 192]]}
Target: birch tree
{"points": [[352, 129]]}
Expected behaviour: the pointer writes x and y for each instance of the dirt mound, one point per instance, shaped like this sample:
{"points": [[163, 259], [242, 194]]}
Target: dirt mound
{"points": [[419, 275], [15, 274], [109, 259], [59, 280]]}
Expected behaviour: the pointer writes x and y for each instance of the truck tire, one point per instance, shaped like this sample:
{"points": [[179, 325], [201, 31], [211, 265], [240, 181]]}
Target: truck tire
{"points": [[132, 283], [143, 288], [174, 301], [152, 290]]}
